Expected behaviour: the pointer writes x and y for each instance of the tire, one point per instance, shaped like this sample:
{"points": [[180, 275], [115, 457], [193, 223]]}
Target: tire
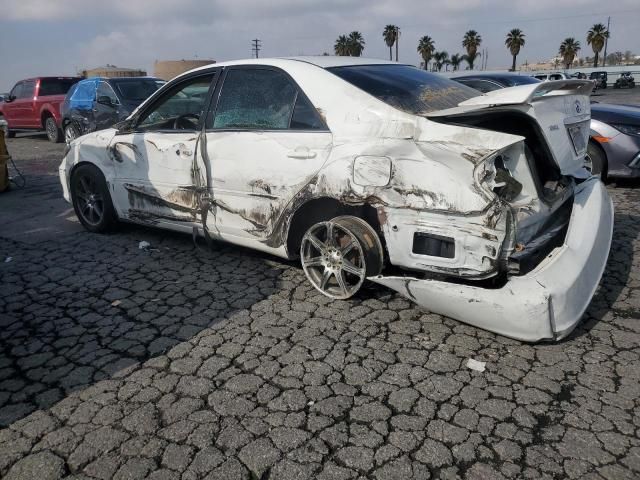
{"points": [[596, 161], [91, 200], [339, 254], [71, 132], [54, 134]]}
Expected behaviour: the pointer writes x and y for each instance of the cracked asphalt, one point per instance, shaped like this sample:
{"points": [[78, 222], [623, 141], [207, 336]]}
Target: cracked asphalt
{"points": [[179, 362]]}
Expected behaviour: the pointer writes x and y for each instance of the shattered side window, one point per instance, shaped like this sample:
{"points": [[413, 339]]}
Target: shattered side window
{"points": [[255, 99], [405, 87], [180, 108]]}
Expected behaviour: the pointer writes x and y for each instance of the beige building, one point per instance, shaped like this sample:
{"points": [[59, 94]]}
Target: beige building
{"points": [[167, 69], [111, 71]]}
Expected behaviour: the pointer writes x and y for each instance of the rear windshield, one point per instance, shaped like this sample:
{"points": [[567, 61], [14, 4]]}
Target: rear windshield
{"points": [[406, 88], [55, 86], [515, 80], [136, 89]]}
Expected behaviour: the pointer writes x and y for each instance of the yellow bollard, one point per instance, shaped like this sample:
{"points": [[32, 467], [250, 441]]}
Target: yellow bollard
{"points": [[4, 158]]}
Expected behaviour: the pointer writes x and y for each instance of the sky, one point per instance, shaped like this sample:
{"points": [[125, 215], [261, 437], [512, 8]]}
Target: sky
{"points": [[62, 37]]}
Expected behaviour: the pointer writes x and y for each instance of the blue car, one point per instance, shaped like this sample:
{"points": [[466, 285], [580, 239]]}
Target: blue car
{"points": [[97, 103]]}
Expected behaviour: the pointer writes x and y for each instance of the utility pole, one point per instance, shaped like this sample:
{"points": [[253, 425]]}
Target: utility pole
{"points": [[255, 47], [397, 41], [604, 58]]}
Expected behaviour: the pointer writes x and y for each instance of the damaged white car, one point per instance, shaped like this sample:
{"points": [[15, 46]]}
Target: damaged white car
{"points": [[476, 207]]}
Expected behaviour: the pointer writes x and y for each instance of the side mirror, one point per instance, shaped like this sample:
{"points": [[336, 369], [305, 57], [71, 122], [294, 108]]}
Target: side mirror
{"points": [[9, 98], [124, 126], [105, 100]]}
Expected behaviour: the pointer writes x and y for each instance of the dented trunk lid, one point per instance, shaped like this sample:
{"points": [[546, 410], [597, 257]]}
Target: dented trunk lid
{"points": [[561, 108]]}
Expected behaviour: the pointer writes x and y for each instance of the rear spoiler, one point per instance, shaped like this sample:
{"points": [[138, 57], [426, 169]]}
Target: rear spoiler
{"points": [[522, 94]]}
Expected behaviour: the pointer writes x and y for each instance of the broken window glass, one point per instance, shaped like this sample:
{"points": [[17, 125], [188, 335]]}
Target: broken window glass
{"points": [[180, 108], [255, 99]]}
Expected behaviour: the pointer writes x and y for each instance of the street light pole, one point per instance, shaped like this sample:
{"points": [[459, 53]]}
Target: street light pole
{"points": [[606, 40]]}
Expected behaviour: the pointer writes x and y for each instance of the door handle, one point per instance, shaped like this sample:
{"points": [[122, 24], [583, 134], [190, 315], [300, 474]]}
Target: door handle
{"points": [[301, 153]]}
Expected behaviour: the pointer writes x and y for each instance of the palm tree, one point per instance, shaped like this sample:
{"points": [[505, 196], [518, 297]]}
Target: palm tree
{"points": [[471, 42], [341, 47], [356, 44], [514, 41], [470, 59], [426, 47], [390, 35], [596, 37], [456, 60], [441, 59], [569, 48]]}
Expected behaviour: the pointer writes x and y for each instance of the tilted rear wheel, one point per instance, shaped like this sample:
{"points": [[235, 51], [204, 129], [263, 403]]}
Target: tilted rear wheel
{"points": [[337, 255], [91, 199], [53, 132]]}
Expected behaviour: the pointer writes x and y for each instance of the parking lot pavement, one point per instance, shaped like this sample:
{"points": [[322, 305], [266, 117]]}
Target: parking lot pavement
{"points": [[184, 362]]}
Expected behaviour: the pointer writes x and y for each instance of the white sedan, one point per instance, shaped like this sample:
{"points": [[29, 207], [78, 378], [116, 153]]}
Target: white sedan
{"points": [[474, 206]]}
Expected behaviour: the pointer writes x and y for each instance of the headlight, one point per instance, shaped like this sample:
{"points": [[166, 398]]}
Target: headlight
{"points": [[628, 129]]}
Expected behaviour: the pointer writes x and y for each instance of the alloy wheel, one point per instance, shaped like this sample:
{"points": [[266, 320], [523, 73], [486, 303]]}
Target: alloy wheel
{"points": [[333, 259], [90, 200]]}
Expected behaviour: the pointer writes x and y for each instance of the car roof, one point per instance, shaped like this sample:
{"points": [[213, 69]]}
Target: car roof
{"points": [[322, 61], [489, 75], [628, 111], [108, 79]]}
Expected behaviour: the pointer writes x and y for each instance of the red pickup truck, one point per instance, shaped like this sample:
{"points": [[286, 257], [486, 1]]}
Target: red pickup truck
{"points": [[34, 104]]}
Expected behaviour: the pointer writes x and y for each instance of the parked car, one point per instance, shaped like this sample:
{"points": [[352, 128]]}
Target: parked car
{"points": [[34, 104], [547, 77], [474, 206], [487, 82], [625, 80], [600, 79], [98, 103], [578, 75], [614, 147]]}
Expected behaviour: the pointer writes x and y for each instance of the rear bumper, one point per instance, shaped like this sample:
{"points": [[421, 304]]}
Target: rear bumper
{"points": [[548, 302]]}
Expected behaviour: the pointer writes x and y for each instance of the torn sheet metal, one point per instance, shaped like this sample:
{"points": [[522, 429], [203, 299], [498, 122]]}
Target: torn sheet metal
{"points": [[546, 304]]}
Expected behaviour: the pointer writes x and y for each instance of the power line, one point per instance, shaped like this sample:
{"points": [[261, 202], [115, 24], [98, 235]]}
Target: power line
{"points": [[256, 44]]}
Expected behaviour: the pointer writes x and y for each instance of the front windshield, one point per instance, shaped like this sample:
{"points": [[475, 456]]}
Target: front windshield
{"points": [[405, 87], [136, 90]]}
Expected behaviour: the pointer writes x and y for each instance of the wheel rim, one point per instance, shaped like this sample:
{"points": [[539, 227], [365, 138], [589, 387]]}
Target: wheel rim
{"points": [[90, 201], [69, 134], [333, 260], [52, 129]]}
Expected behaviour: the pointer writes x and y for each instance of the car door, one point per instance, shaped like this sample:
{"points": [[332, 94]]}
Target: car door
{"points": [[26, 106], [105, 114], [10, 108], [264, 143], [155, 158]]}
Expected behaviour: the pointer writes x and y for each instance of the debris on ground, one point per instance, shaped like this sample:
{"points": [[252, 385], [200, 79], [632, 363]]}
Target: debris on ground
{"points": [[8, 259], [143, 245], [476, 365], [115, 303]]}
